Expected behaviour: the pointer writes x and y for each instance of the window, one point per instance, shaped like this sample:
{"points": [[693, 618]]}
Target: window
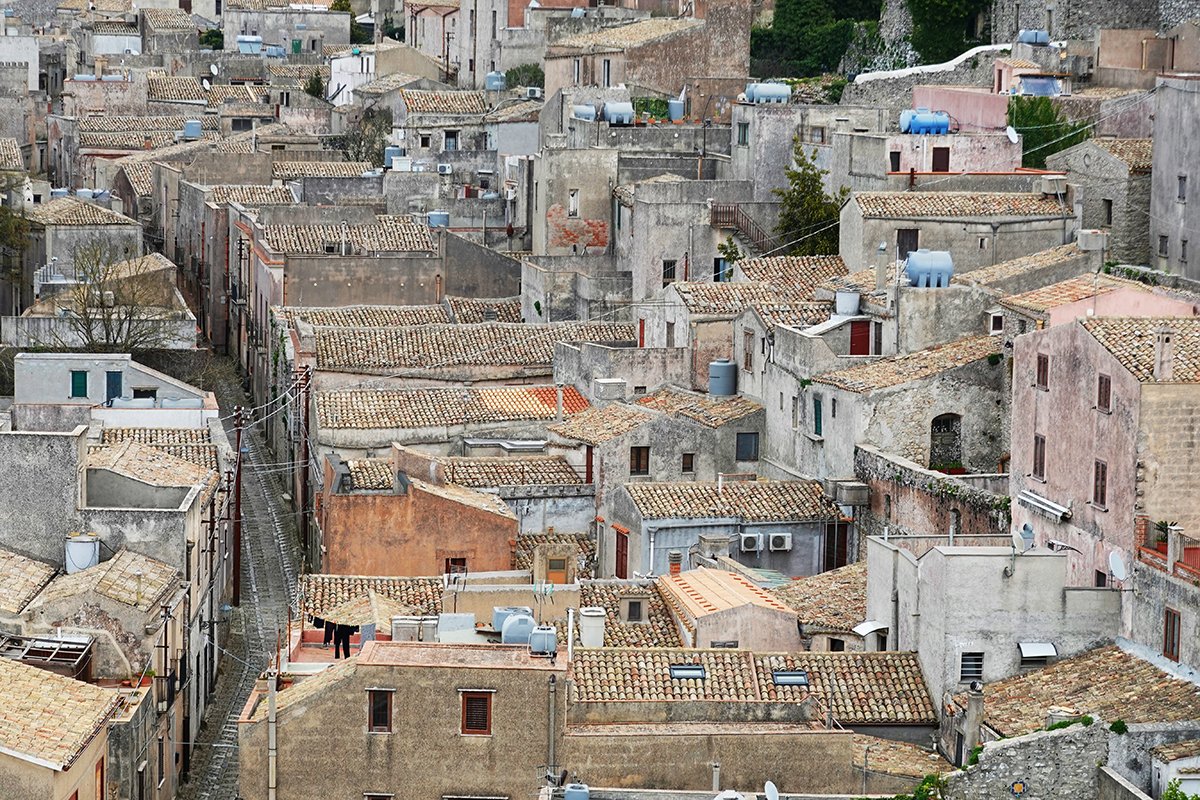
{"points": [[837, 645], [1104, 393], [670, 334], [285, 98], [145, 394], [426, 140], [456, 566], [722, 272], [470, 65], [451, 140], [577, 71], [573, 203], [1183, 251], [1106, 212], [743, 133], [955, 522], [380, 703], [639, 390], [997, 323], [833, 408], [639, 461], [1162, 246], [983, 243], [795, 412], [633, 611], [894, 159], [789, 677], [971, 668], [1039, 457], [723, 644], [162, 752], [881, 642], [887, 507], [748, 351], [747, 447], [1043, 372], [1171, 634], [79, 387], [241, 125], [668, 272], [1101, 579], [1100, 485], [683, 672], [818, 423], [607, 72], [817, 134], [1183, 188], [476, 713], [689, 463], [556, 570], [941, 159]]}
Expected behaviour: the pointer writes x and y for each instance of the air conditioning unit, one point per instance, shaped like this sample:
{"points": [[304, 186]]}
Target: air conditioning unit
{"points": [[445, 169], [781, 542], [752, 542], [533, 93], [510, 193]]}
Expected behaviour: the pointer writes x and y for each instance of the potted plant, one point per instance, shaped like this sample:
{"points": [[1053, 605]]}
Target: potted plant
{"points": [[147, 678], [1162, 528]]}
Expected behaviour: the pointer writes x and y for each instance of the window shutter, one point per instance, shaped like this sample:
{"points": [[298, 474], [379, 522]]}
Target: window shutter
{"points": [[476, 716]]}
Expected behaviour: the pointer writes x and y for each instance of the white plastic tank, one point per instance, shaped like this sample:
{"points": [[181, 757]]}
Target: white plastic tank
{"points": [[191, 129], [675, 109], [517, 629], [84, 193], [494, 81], [585, 111], [722, 377], [543, 640], [846, 302], [390, 154], [618, 113], [82, 551], [591, 626], [576, 791], [929, 268], [502, 613]]}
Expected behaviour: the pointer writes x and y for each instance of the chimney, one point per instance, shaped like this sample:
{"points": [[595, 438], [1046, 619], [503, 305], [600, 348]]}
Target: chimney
{"points": [[675, 560], [1164, 353], [558, 402], [974, 718]]}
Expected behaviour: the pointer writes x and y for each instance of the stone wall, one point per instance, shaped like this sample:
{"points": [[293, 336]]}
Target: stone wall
{"points": [[1050, 764], [1128, 753], [1111, 786]]}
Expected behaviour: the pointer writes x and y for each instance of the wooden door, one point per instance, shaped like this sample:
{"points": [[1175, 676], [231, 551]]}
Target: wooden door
{"points": [[622, 566], [860, 338]]}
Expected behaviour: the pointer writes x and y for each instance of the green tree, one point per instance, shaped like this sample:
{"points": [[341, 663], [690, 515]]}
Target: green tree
{"points": [[526, 75], [1173, 792], [729, 251], [1044, 128], [808, 217], [358, 34], [390, 31], [807, 37], [315, 86], [365, 142], [213, 38], [941, 27]]}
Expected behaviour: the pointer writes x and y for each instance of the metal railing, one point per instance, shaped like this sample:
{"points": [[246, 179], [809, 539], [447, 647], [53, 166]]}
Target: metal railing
{"points": [[731, 215]]}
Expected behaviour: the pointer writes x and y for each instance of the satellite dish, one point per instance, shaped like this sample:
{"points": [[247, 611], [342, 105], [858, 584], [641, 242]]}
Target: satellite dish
{"points": [[213, 69], [1116, 566], [1018, 542], [1011, 133], [771, 791], [206, 84]]}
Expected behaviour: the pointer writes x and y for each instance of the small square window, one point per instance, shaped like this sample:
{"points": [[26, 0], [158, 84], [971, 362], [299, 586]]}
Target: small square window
{"points": [[789, 677], [971, 668], [689, 463], [747, 447], [380, 703], [476, 713], [817, 135], [633, 612], [426, 140], [681, 672], [743, 133], [639, 461], [837, 645], [79, 383], [1043, 371], [724, 644], [1163, 243], [1104, 393], [639, 390]]}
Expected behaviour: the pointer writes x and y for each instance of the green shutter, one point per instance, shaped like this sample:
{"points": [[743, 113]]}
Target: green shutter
{"points": [[79, 387]]}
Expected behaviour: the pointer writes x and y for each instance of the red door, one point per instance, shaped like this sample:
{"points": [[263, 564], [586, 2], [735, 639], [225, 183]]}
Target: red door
{"points": [[622, 568], [860, 338]]}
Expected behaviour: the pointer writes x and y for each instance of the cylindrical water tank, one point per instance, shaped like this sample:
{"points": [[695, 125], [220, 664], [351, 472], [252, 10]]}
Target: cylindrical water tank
{"points": [[439, 219], [722, 378], [846, 302], [585, 111], [500, 614], [390, 153], [675, 109], [929, 268], [1032, 36], [84, 193], [926, 121], [578, 13], [906, 117], [591, 626], [191, 129], [543, 640], [772, 93], [576, 791], [494, 81], [517, 629], [58, 192], [82, 551], [618, 113]]}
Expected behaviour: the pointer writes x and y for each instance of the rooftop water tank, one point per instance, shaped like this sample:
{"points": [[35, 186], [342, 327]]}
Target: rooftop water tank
{"points": [[675, 109], [578, 13], [82, 551], [586, 111], [517, 629], [86, 194], [618, 113], [490, 196], [58, 192], [922, 120], [111, 78], [502, 613], [1027, 36], [439, 219], [846, 302], [591, 626], [576, 791], [543, 641], [494, 81], [191, 129], [929, 268], [722, 378], [182, 402], [85, 77], [402, 164], [390, 153], [768, 93]]}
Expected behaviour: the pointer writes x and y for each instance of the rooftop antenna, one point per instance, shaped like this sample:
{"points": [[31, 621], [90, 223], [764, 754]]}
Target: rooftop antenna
{"points": [[771, 791], [1011, 133], [1116, 567], [1018, 547]]}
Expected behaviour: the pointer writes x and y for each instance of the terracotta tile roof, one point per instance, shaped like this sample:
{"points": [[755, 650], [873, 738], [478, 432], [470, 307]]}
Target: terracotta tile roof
{"points": [[437, 407], [1017, 266], [189, 444], [868, 687], [338, 50], [299, 692], [112, 27], [10, 155], [704, 591], [436, 4], [898, 758], [70, 211], [723, 299], [626, 193], [753, 501], [388, 235], [116, 579], [1019, 63], [368, 609], [796, 315], [370, 474], [1107, 683], [634, 35], [862, 281], [709, 411], [175, 88], [468, 309], [152, 465], [957, 204], [598, 425], [1132, 339], [224, 93], [141, 177], [146, 124], [1070, 291], [900, 369], [483, 473], [253, 195], [47, 716], [169, 19], [388, 83], [1138, 154], [618, 673], [419, 102], [135, 140], [291, 170], [430, 346], [658, 629], [793, 277], [369, 316], [238, 143], [525, 111], [299, 72], [1173, 752], [20, 579], [828, 601], [107, 6], [320, 593], [526, 543]]}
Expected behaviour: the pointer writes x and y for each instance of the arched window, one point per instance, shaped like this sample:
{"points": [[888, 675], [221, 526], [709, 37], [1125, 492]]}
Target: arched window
{"points": [[945, 442]]}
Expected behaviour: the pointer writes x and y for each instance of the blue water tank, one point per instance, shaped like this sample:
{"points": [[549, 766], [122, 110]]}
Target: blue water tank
{"points": [[517, 629], [490, 196], [191, 129], [922, 120], [587, 111], [85, 77], [929, 268], [439, 219], [58, 192], [84, 193], [675, 109], [576, 791], [494, 81], [722, 378], [578, 13], [390, 153], [1027, 36], [768, 93], [543, 640], [618, 113], [502, 613]]}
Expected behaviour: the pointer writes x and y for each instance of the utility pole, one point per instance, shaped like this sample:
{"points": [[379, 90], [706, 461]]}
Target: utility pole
{"points": [[239, 418], [302, 494]]}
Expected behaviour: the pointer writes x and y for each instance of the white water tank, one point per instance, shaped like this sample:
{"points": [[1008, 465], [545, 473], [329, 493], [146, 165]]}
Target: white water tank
{"points": [[847, 303], [517, 629], [591, 626], [500, 615], [82, 551], [543, 641]]}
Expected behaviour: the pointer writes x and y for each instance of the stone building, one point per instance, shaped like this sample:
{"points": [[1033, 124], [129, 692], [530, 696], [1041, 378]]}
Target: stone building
{"points": [[1172, 217], [1112, 179]]}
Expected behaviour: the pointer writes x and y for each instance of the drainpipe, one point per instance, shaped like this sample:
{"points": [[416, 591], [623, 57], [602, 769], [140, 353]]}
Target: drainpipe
{"points": [[553, 692], [650, 571], [995, 230], [272, 754], [716, 777], [570, 634]]}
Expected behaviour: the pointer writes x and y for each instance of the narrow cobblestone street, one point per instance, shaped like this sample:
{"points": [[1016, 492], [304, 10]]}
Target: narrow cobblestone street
{"points": [[270, 561]]}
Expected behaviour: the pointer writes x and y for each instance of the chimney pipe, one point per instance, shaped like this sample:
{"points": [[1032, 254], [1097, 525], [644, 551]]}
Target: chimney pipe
{"points": [[1164, 353], [675, 561], [558, 402], [974, 717]]}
